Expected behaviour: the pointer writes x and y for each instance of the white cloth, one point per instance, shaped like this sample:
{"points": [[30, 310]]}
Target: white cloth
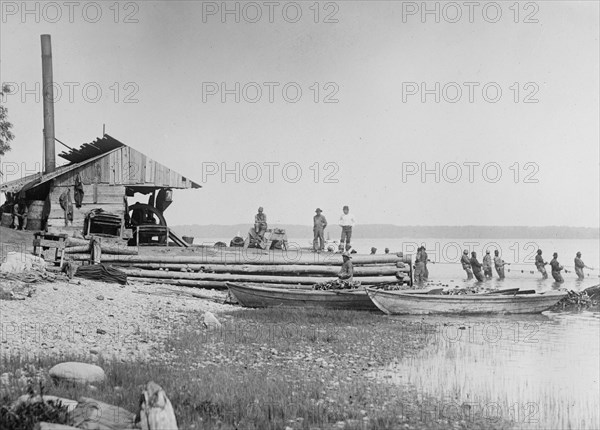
{"points": [[347, 220], [18, 262]]}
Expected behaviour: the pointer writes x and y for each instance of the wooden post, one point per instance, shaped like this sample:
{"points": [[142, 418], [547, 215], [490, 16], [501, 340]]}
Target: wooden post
{"points": [[48, 92]]}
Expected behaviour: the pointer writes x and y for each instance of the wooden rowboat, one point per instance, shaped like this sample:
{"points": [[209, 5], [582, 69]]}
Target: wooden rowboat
{"points": [[254, 296], [402, 302]]}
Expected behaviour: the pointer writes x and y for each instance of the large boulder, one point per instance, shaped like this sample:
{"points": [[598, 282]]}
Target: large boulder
{"points": [[75, 372]]}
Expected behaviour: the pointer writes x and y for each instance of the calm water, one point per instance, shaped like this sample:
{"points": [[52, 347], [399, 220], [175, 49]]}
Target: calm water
{"points": [[539, 372]]}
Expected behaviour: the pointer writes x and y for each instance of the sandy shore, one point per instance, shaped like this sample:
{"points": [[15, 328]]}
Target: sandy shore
{"points": [[95, 319]]}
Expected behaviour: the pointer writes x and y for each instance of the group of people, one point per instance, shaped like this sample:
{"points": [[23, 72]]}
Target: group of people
{"points": [[556, 267], [482, 270], [421, 260], [346, 222]]}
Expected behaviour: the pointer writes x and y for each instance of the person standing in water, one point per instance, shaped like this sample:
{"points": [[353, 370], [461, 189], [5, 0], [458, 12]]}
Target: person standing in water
{"points": [[426, 260], [419, 266], [499, 263], [540, 263], [466, 264], [556, 268], [579, 266], [487, 265], [476, 266]]}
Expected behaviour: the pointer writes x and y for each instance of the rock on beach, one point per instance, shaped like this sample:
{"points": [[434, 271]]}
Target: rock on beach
{"points": [[75, 372]]}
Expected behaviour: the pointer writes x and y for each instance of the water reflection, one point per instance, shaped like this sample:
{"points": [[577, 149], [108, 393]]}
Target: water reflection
{"points": [[539, 371]]}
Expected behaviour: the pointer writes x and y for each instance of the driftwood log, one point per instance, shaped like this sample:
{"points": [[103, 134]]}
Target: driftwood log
{"points": [[94, 414], [253, 278], [233, 257], [221, 285], [106, 249], [292, 269]]}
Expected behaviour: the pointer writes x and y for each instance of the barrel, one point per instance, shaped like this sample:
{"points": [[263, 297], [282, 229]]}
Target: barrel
{"points": [[34, 216], [6, 220]]}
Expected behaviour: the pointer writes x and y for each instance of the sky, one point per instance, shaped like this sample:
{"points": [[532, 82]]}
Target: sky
{"points": [[410, 115]]}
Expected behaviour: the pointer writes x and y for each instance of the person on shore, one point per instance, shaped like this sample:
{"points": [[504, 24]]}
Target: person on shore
{"points": [[487, 265], [419, 266], [373, 251], [347, 221], [425, 259], [347, 271], [499, 263], [15, 216], [540, 263], [24, 215], [319, 224], [260, 228], [579, 266], [556, 268], [466, 264], [476, 266], [386, 250]]}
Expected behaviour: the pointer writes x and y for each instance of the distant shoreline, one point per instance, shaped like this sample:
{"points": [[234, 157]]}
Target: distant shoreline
{"points": [[389, 231]]}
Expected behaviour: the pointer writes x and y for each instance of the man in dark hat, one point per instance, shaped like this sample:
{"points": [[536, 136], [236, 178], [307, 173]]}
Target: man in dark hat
{"points": [[487, 264], [347, 271], [556, 268], [466, 264], [499, 263], [579, 266], [419, 266], [257, 234], [540, 263], [319, 224]]}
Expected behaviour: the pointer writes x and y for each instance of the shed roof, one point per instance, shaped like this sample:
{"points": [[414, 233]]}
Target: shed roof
{"points": [[81, 157]]}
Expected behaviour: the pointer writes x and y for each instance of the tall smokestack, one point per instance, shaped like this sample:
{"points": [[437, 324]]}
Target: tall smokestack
{"points": [[48, 91]]}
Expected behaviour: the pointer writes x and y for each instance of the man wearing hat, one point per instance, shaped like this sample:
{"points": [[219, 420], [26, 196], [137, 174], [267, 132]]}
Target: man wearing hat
{"points": [[319, 224], [540, 263], [579, 266], [487, 264], [556, 268], [346, 272], [499, 264], [466, 264], [257, 234]]}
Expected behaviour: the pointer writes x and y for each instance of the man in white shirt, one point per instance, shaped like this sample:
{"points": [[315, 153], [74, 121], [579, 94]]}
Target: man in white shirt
{"points": [[347, 221]]}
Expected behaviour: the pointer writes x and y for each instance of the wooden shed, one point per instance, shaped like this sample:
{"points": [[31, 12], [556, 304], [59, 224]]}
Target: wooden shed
{"points": [[108, 171]]}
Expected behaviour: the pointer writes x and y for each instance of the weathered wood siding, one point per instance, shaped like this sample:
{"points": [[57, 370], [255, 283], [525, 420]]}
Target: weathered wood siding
{"points": [[109, 198]]}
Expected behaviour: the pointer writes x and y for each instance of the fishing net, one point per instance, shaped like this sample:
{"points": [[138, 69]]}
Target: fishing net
{"points": [[338, 284]]}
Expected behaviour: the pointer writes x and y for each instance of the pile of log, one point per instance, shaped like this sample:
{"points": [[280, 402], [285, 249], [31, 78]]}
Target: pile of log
{"points": [[272, 270], [81, 249]]}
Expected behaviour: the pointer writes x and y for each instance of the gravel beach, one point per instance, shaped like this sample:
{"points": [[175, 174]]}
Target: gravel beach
{"points": [[94, 319]]}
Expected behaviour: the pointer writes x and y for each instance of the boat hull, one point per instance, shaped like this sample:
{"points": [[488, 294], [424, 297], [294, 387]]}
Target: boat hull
{"points": [[396, 302], [254, 296]]}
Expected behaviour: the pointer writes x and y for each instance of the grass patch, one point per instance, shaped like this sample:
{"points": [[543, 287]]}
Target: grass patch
{"points": [[277, 368]]}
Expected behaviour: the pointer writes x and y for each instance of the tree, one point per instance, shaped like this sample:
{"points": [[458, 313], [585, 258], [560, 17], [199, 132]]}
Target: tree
{"points": [[6, 135]]}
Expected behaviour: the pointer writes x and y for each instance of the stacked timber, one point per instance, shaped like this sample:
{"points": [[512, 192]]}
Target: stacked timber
{"points": [[302, 270], [81, 249]]}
